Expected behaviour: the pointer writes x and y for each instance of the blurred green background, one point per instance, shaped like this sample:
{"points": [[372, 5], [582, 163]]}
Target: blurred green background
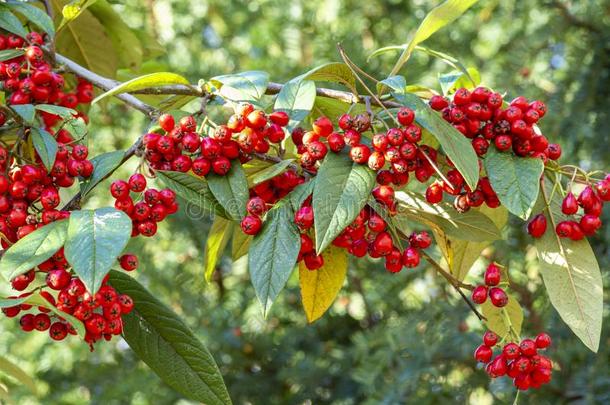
{"points": [[389, 339]]}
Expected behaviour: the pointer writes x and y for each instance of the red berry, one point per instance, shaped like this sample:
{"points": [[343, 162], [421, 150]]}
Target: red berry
{"points": [[304, 217], [569, 206], [543, 340], [383, 244], [313, 261], [410, 257], [483, 354], [528, 347], [511, 351], [251, 225], [256, 206], [490, 338], [492, 275], [537, 226], [166, 122], [405, 116], [564, 229], [336, 142], [129, 262], [280, 118], [345, 122], [498, 297], [360, 154], [479, 294], [322, 126]]}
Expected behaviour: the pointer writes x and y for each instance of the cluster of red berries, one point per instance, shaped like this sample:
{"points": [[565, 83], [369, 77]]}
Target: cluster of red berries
{"points": [[586, 211], [153, 207], [480, 116], [521, 362], [180, 148], [30, 79], [496, 294], [266, 194]]}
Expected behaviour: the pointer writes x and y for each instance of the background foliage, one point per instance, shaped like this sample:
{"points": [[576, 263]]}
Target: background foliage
{"points": [[388, 338]]}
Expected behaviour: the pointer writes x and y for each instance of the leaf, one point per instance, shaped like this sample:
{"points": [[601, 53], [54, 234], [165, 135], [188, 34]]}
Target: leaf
{"points": [[273, 254], [35, 15], [269, 172], [245, 86], [335, 72], [73, 9], [462, 254], [516, 180], [11, 23], [33, 249], [215, 244], [319, 288], [231, 190], [37, 300], [169, 347], [12, 302], [332, 107], [63, 112], [296, 98], [436, 19], [144, 82], [86, 42], [497, 320], [396, 83], [450, 60], [13, 370], [571, 276], [341, 190], [95, 239], [127, 45], [103, 165], [26, 112], [456, 79], [45, 145], [241, 243], [457, 147], [8, 54], [300, 193], [471, 225], [194, 190], [386, 49]]}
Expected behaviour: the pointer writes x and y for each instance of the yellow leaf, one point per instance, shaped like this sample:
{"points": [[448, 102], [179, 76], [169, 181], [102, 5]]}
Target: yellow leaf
{"points": [[319, 288], [217, 240], [500, 320]]}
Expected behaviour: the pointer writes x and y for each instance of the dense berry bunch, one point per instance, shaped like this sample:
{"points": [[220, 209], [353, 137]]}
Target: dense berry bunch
{"points": [[491, 289], [521, 362], [584, 212], [153, 205], [30, 79]]}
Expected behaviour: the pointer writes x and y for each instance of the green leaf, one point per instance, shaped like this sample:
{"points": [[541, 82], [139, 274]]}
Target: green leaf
{"points": [[571, 275], [456, 79], [45, 145], [240, 244], [471, 225], [194, 190], [169, 347], [499, 320], [231, 190], [10, 54], [12, 302], [386, 49], [462, 254], [86, 42], [269, 172], [11, 369], [215, 244], [300, 193], [450, 60], [95, 239], [76, 127], [516, 180], [144, 82], [332, 107], [245, 86], [11, 23], [395, 83], [127, 45], [341, 190], [35, 15], [26, 112], [33, 249], [63, 112], [296, 98], [335, 72], [103, 165], [436, 19], [457, 147], [273, 254], [73, 9]]}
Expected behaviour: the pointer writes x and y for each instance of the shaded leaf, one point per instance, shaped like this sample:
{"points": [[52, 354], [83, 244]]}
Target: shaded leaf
{"points": [[215, 244], [103, 165], [7, 54], [335, 72], [499, 320], [25, 111], [45, 145], [241, 243], [296, 98], [231, 190], [195, 191], [395, 83], [245, 86], [269, 172], [35, 15], [11, 23]]}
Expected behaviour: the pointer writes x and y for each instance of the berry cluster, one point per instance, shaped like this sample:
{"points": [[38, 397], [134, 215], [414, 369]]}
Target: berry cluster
{"points": [[496, 294], [181, 148], [521, 362], [585, 211], [30, 79], [153, 207], [480, 116]]}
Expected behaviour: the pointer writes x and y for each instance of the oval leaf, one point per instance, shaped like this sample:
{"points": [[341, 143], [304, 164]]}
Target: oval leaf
{"points": [[9, 22], [103, 165], [571, 276], [341, 190], [45, 145], [500, 320], [335, 72], [10, 54], [35, 15], [215, 244], [195, 191], [169, 347], [268, 172], [26, 112], [245, 86], [319, 288], [457, 147], [231, 190], [296, 98], [516, 180], [95, 239], [144, 82], [11, 369], [33, 249], [273, 254]]}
